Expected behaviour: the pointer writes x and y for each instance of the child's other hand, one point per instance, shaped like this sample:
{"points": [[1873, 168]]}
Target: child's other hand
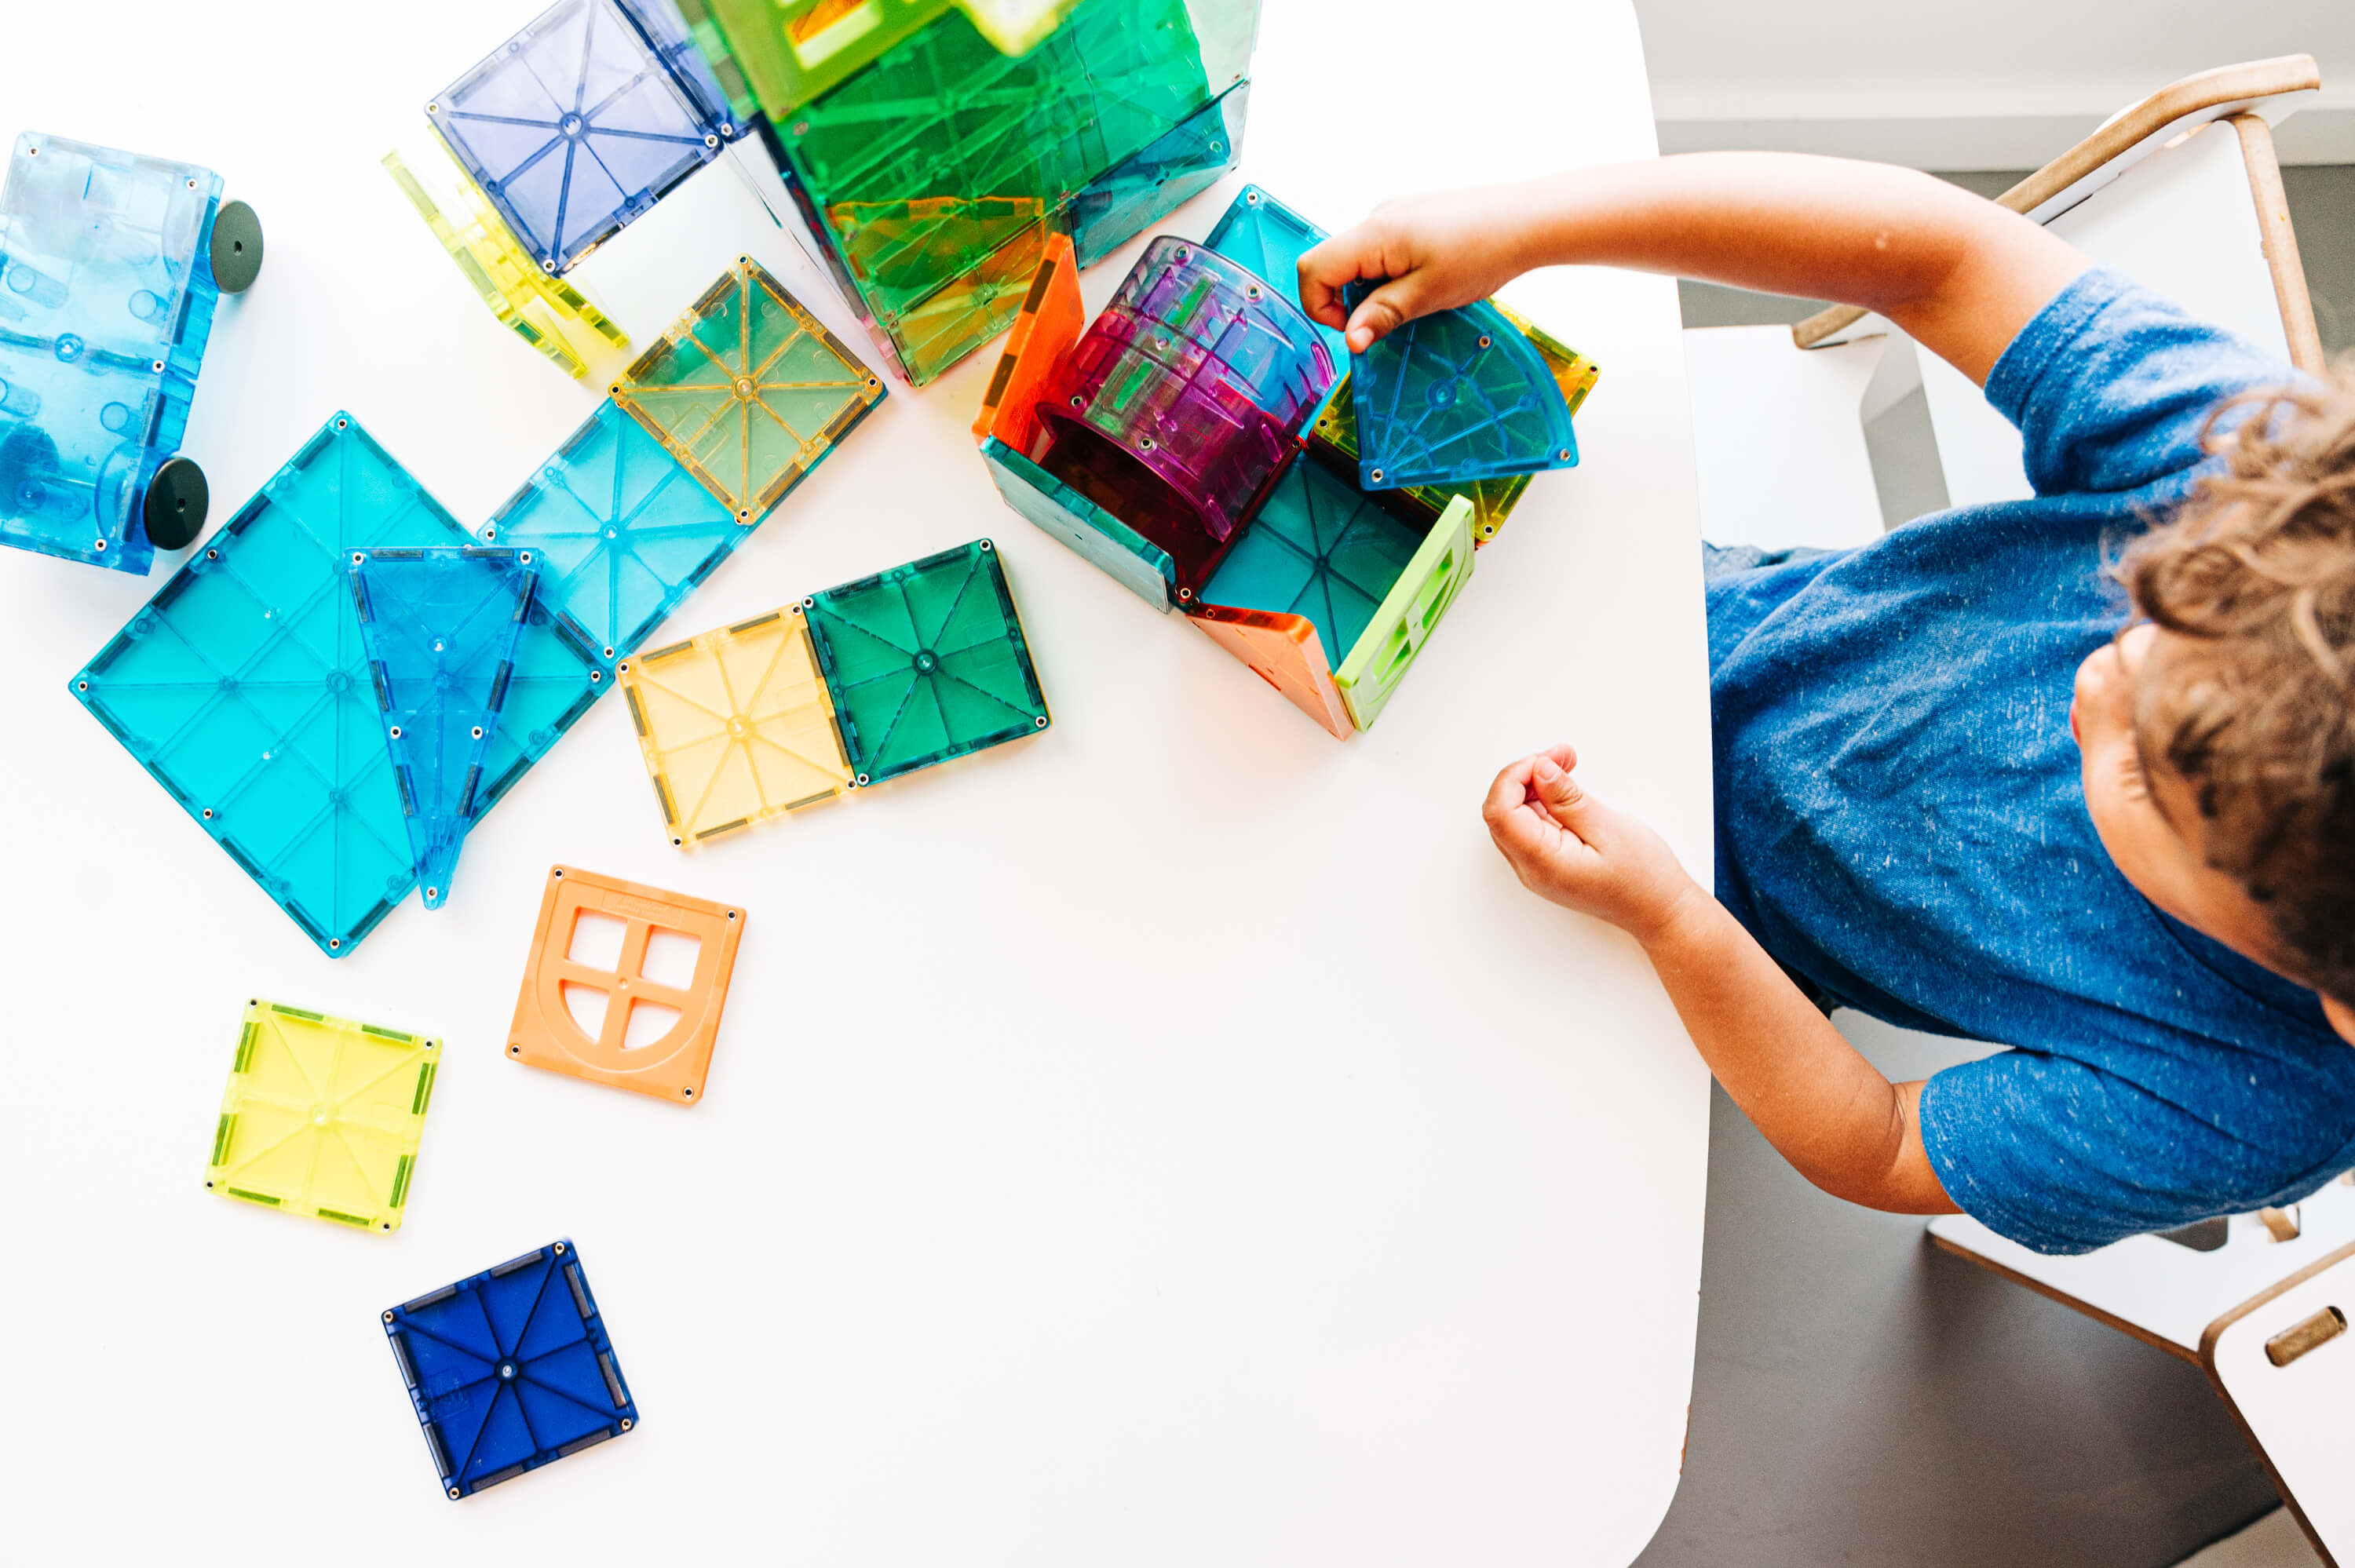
{"points": [[1570, 848], [1438, 252]]}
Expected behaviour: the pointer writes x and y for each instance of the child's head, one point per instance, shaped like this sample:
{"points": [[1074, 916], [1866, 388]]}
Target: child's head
{"points": [[2219, 734]]}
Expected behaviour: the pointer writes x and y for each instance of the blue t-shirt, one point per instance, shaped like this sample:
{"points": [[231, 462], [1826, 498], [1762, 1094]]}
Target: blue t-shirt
{"points": [[1901, 819]]}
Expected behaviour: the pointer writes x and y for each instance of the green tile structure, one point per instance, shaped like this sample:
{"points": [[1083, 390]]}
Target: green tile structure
{"points": [[934, 171]]}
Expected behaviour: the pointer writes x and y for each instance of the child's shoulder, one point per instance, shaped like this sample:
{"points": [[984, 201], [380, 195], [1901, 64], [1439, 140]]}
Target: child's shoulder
{"points": [[2112, 383]]}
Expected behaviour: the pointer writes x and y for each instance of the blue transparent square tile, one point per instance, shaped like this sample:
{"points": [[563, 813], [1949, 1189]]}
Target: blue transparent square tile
{"points": [[106, 297], [621, 530], [509, 1370], [439, 626], [577, 126], [665, 30], [243, 687]]}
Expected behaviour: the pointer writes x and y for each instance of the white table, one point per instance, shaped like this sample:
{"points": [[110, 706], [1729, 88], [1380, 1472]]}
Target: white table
{"points": [[1174, 1139]]}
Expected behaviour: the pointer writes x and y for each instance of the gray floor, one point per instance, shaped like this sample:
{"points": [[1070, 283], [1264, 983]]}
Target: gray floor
{"points": [[1862, 1399]]}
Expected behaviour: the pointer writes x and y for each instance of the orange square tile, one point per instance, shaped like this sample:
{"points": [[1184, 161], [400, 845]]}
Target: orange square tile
{"points": [[625, 984]]}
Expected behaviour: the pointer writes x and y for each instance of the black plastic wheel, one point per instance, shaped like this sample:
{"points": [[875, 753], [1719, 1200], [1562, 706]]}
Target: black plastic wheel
{"points": [[175, 509], [236, 248]]}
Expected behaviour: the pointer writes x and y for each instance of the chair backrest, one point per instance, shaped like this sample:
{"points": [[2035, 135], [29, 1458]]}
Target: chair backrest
{"points": [[2182, 192], [2284, 1365]]}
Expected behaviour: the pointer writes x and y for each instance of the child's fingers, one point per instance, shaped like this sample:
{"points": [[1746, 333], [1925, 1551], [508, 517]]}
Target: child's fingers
{"points": [[1386, 310], [1510, 790], [1555, 789], [1330, 266], [1525, 837], [1525, 832]]}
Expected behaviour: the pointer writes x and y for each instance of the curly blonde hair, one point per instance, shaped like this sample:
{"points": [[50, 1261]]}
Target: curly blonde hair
{"points": [[2258, 568]]}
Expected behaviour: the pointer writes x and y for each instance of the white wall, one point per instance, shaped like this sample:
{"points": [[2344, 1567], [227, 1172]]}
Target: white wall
{"points": [[1998, 84]]}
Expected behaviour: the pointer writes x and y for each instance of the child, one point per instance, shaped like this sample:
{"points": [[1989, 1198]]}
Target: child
{"points": [[1964, 783]]}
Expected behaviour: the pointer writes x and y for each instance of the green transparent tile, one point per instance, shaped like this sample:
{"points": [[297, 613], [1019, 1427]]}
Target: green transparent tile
{"points": [[926, 662], [792, 52], [924, 162]]}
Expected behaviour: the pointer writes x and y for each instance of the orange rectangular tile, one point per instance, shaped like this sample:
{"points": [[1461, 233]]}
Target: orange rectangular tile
{"points": [[1050, 323]]}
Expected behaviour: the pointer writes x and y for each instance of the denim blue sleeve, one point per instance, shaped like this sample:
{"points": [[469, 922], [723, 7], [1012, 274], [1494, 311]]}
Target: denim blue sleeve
{"points": [[2061, 1157], [2110, 385], [2064, 1157]]}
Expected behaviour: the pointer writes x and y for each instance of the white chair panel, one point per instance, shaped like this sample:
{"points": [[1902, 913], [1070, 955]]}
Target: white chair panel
{"points": [[2297, 1415], [2168, 1292], [1778, 436], [2184, 222]]}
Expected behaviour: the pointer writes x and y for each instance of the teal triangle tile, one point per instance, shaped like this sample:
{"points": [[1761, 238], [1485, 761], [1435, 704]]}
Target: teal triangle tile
{"points": [[1458, 396], [440, 625]]}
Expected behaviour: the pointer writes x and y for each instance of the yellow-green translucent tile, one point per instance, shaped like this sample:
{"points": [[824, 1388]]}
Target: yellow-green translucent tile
{"points": [[1386, 650], [544, 310], [748, 390], [323, 1115]]}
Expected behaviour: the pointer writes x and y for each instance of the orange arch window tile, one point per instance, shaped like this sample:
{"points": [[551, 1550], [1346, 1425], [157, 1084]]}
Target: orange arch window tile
{"points": [[625, 984]]}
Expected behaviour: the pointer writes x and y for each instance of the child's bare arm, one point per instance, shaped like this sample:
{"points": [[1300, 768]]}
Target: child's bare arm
{"points": [[1959, 274], [1825, 1108]]}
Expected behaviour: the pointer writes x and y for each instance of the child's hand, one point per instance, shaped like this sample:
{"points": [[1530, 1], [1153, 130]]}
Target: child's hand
{"points": [[1570, 848], [1438, 252]]}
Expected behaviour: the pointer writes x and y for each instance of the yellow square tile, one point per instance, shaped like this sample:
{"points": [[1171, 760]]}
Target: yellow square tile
{"points": [[323, 1115]]}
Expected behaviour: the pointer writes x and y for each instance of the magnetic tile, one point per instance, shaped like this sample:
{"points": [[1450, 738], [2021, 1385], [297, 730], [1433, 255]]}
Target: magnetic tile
{"points": [[509, 1370], [577, 126], [925, 663], [439, 626], [323, 1117], [749, 391], [736, 725], [611, 1022]]}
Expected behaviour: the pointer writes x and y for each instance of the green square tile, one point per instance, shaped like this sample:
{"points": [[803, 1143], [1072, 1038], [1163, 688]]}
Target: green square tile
{"points": [[926, 662]]}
